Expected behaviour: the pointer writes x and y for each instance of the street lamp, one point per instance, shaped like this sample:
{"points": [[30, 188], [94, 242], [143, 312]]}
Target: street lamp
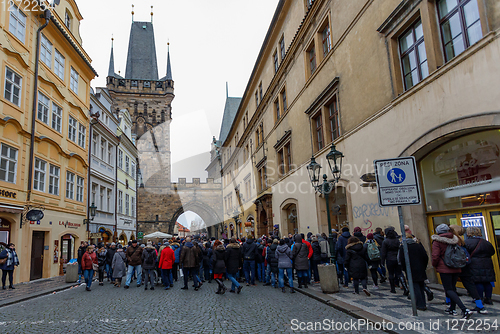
{"points": [[334, 158], [92, 209]]}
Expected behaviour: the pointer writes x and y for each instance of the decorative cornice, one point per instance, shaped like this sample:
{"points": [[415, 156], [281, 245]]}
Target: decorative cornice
{"points": [[398, 15]]}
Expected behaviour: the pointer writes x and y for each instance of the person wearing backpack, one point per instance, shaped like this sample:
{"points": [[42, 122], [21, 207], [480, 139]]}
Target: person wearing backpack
{"points": [[418, 263], [466, 275], [449, 275], [315, 258], [176, 247], [481, 265], [373, 254], [389, 256], [148, 264], [355, 262]]}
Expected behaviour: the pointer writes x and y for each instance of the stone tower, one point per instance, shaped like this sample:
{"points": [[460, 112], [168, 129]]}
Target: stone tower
{"points": [[149, 102]]}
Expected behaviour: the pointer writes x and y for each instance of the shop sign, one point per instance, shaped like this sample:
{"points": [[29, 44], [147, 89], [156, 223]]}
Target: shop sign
{"points": [[95, 235], [68, 224], [473, 221], [397, 182], [8, 194], [140, 235]]}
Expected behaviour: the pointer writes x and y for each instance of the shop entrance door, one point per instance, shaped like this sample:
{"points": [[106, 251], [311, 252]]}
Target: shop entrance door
{"points": [[37, 245]]}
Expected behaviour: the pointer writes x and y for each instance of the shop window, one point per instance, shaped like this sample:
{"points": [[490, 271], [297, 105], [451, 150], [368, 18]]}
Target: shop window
{"points": [[413, 55], [463, 173], [460, 25]]}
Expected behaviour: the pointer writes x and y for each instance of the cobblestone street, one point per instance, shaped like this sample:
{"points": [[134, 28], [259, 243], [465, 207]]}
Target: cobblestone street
{"points": [[108, 309]]}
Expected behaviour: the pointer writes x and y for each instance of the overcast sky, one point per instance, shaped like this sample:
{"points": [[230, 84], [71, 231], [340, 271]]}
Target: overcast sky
{"points": [[211, 42]]}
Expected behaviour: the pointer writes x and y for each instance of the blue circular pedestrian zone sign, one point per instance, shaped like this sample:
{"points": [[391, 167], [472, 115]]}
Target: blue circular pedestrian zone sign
{"points": [[396, 176]]}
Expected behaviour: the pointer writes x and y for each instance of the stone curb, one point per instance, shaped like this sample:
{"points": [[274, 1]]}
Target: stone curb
{"points": [[349, 309], [37, 294]]}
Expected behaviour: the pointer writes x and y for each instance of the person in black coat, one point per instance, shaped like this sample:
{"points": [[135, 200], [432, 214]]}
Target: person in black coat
{"points": [[219, 267], [109, 259], [356, 262], [315, 258], [481, 265], [272, 262], [249, 253], [389, 255], [234, 263], [340, 254], [373, 263], [379, 238], [207, 261], [418, 264]]}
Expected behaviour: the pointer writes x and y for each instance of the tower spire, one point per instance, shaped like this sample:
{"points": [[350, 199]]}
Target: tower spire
{"points": [[111, 70], [169, 68]]}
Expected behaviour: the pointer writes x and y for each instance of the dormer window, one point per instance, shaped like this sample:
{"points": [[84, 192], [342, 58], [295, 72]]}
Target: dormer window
{"points": [[67, 20]]}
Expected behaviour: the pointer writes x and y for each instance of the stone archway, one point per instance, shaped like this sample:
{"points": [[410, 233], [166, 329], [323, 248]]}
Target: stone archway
{"points": [[209, 215]]}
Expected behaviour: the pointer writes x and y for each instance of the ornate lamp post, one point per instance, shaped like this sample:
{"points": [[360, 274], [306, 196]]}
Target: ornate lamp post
{"points": [[334, 158]]}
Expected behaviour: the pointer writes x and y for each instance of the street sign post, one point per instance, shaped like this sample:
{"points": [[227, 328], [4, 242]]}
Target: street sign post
{"points": [[397, 185]]}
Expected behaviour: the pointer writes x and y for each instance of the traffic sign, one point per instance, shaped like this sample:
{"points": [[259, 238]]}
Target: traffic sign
{"points": [[397, 181]]}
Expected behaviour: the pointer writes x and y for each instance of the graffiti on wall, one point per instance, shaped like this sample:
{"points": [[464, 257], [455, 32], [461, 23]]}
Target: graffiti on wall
{"points": [[366, 214]]}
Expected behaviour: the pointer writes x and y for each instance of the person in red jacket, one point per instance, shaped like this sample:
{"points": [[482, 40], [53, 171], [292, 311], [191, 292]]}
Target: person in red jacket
{"points": [[88, 261], [167, 259], [449, 276]]}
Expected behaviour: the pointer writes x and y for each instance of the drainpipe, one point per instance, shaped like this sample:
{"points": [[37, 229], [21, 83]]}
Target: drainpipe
{"points": [[116, 189], [46, 16]]}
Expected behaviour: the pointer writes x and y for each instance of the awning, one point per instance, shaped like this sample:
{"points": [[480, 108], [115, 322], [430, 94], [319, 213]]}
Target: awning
{"points": [[11, 208]]}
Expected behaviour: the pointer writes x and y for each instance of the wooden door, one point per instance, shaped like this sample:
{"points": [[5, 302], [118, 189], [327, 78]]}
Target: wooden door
{"points": [[37, 245]]}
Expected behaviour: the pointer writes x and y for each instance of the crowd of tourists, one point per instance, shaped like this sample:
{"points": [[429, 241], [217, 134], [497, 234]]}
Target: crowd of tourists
{"points": [[277, 262]]}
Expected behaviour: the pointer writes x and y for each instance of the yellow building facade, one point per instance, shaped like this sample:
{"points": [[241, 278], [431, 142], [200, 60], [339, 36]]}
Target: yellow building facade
{"points": [[60, 151]]}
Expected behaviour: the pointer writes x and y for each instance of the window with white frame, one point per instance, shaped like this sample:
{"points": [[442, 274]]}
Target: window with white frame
{"points": [[120, 201], [17, 22], [110, 154], [120, 159], [104, 146], [59, 63], [8, 164], [43, 108], [127, 164], [73, 84], [56, 117], [46, 51], [132, 170], [54, 173], [72, 129], [95, 138], [102, 203], [109, 196], [81, 134], [70, 185], [40, 171], [12, 90], [127, 204], [94, 194], [133, 207], [80, 182]]}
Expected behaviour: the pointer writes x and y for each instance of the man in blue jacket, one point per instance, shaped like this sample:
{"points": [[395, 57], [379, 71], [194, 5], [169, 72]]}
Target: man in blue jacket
{"points": [[249, 252]]}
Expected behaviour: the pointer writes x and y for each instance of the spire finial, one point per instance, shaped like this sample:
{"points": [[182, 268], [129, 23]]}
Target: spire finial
{"points": [[227, 90], [132, 12], [151, 14], [169, 68]]}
